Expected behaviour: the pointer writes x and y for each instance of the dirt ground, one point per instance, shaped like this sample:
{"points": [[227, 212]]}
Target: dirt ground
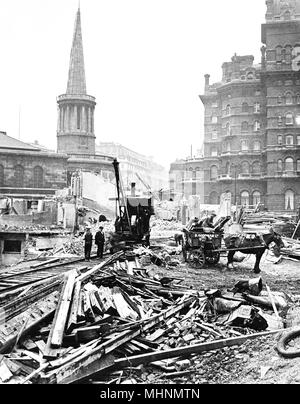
{"points": [[256, 362]]}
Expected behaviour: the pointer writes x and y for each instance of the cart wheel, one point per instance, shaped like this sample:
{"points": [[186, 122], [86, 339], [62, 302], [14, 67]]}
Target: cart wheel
{"points": [[212, 257], [196, 259]]}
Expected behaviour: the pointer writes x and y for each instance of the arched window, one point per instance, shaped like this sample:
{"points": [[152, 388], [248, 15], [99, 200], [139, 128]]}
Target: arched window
{"points": [[298, 99], [279, 140], [19, 176], [78, 117], [244, 145], [280, 166], [1, 175], [245, 167], [298, 140], [298, 165], [279, 120], [38, 177], [256, 107], [289, 140], [214, 152], [289, 200], [289, 164], [227, 168], [257, 145], [214, 135], [245, 107], [228, 110], [198, 172], [289, 98], [288, 54], [228, 129], [250, 76], [214, 198], [256, 126], [256, 167], [256, 196], [244, 126], [213, 173], [245, 198], [289, 119], [278, 54], [280, 99]]}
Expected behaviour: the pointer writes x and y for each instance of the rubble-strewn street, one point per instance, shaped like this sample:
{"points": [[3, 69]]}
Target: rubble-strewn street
{"points": [[146, 316]]}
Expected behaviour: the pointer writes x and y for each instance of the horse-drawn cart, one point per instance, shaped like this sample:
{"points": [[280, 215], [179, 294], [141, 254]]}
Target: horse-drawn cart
{"points": [[203, 245]]}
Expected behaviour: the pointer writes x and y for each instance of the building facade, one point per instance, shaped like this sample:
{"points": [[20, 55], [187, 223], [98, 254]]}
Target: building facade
{"points": [[29, 171], [133, 163], [252, 122]]}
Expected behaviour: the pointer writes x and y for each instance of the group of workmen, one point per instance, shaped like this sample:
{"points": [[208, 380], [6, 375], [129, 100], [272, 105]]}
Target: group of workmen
{"points": [[99, 241]]}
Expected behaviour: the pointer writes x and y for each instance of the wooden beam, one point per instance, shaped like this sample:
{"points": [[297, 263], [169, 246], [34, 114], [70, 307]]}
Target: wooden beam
{"points": [[76, 300], [62, 310], [188, 350]]}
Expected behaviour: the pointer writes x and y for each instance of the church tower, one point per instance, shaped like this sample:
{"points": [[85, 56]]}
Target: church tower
{"points": [[75, 128]]}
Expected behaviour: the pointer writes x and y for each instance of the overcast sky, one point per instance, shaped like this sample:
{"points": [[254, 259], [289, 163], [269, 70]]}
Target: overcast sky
{"points": [[144, 59]]}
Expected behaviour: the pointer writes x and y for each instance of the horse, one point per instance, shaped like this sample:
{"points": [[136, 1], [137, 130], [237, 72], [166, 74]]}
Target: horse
{"points": [[257, 245], [178, 237]]}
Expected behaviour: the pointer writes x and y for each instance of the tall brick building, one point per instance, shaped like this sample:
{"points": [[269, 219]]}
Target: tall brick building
{"points": [[252, 123]]}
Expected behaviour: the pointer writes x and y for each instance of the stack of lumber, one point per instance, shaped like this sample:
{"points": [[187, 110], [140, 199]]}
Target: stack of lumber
{"points": [[117, 315], [291, 249]]}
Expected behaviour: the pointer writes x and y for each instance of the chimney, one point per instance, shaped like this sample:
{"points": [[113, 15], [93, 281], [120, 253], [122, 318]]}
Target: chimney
{"points": [[133, 189], [207, 77]]}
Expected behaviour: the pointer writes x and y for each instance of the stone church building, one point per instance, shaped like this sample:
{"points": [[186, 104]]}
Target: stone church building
{"points": [[251, 144], [30, 171]]}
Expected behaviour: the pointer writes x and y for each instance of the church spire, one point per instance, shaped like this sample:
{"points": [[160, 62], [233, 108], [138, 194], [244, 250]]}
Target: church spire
{"points": [[76, 80]]}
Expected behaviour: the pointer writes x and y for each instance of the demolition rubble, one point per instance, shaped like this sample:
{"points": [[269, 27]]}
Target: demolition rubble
{"points": [[128, 319]]}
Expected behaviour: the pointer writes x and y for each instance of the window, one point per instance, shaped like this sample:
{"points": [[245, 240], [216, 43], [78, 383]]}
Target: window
{"points": [[250, 76], [228, 129], [1, 175], [245, 167], [256, 197], [227, 147], [289, 119], [214, 152], [297, 119], [214, 119], [298, 165], [289, 200], [228, 110], [289, 98], [257, 145], [298, 99], [278, 54], [280, 99], [279, 166], [256, 126], [78, 117], [12, 246], [279, 139], [214, 173], [38, 177], [245, 107], [244, 145], [257, 93], [256, 107], [244, 126], [256, 167], [289, 140], [214, 135], [245, 198], [227, 169], [289, 164], [298, 140], [288, 54], [19, 176]]}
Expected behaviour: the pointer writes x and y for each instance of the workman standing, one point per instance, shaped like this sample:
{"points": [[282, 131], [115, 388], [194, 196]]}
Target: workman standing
{"points": [[88, 241], [99, 241]]}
